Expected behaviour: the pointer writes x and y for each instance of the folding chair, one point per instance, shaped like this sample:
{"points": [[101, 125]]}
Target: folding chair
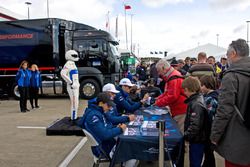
{"points": [[103, 157]]}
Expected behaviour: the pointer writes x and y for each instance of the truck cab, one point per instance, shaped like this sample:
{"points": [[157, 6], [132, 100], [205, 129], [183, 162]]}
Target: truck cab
{"points": [[99, 60]]}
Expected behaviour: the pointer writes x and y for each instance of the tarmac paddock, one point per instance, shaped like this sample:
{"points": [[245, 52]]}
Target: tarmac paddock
{"points": [[24, 142]]}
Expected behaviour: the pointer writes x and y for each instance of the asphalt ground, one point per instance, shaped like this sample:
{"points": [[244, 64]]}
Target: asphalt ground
{"points": [[23, 140]]}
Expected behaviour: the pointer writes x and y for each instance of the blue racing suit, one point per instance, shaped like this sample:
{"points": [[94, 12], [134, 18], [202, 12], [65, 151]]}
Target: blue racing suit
{"points": [[124, 104], [112, 115], [94, 121]]}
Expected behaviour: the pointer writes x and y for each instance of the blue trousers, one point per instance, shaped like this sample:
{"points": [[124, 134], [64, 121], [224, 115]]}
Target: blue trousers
{"points": [[196, 152]]}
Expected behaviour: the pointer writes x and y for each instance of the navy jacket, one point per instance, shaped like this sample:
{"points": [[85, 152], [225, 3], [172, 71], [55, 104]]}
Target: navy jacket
{"points": [[124, 103], [35, 80], [23, 77], [114, 117], [94, 121]]}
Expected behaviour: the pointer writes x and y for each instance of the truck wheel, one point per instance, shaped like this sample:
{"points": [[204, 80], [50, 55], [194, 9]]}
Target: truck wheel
{"points": [[89, 89], [15, 91]]}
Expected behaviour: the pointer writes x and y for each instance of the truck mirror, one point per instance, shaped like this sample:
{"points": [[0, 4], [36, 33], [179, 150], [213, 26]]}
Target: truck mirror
{"points": [[105, 48], [80, 50]]}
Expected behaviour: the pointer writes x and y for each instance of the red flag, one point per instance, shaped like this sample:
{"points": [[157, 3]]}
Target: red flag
{"points": [[127, 7], [107, 24]]}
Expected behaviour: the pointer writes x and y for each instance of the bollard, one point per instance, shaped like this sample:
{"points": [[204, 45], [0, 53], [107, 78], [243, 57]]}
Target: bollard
{"points": [[161, 126]]}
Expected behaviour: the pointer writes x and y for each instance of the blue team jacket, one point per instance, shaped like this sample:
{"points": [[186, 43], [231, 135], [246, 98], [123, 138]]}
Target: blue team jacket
{"points": [[124, 103], [35, 80], [112, 116], [94, 121], [23, 78]]}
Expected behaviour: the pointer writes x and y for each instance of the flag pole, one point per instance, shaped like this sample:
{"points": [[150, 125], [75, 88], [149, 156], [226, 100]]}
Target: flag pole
{"points": [[116, 27], [107, 23], [126, 26], [131, 47]]}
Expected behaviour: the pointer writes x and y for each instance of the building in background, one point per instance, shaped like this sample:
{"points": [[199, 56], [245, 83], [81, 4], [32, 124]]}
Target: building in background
{"points": [[128, 60], [7, 15]]}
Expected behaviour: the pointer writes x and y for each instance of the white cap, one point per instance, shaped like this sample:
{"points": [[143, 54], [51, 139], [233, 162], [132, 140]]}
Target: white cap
{"points": [[109, 88], [223, 57], [126, 81]]}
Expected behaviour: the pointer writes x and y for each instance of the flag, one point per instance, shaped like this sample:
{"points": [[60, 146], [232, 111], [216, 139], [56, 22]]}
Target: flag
{"points": [[127, 7], [107, 24]]}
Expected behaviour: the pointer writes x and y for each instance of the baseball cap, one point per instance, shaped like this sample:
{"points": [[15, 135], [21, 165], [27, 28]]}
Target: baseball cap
{"points": [[126, 82], [110, 88], [105, 98], [174, 63], [223, 57]]}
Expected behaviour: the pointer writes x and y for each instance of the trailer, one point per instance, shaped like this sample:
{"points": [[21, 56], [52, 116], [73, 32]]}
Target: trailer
{"points": [[45, 41]]}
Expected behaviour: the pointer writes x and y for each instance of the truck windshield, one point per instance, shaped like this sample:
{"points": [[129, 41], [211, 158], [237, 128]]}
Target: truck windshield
{"points": [[114, 50]]}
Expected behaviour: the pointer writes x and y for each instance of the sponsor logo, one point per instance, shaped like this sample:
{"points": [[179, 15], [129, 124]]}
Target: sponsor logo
{"points": [[153, 150], [16, 36]]}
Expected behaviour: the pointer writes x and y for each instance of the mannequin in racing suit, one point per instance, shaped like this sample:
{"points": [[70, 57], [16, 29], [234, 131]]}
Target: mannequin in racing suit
{"points": [[70, 74]]}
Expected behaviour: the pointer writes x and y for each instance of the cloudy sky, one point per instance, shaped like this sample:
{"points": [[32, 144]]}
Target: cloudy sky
{"points": [[158, 25]]}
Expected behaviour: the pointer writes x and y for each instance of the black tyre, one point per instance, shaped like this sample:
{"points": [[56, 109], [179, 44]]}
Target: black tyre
{"points": [[15, 91], [89, 88]]}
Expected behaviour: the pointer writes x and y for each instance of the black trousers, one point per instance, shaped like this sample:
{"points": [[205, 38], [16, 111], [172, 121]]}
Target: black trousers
{"points": [[209, 160], [23, 97], [34, 96]]}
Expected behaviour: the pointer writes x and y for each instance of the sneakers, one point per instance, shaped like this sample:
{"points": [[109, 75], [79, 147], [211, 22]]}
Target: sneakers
{"points": [[36, 107]]}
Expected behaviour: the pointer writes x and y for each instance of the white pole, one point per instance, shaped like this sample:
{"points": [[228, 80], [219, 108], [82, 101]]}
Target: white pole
{"points": [[217, 35], [131, 47], [48, 8], [248, 31], [116, 27], [108, 22], [126, 27]]}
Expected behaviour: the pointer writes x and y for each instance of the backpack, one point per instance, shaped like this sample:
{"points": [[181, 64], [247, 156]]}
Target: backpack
{"points": [[175, 77]]}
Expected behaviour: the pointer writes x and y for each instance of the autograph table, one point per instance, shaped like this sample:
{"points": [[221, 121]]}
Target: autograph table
{"points": [[144, 145]]}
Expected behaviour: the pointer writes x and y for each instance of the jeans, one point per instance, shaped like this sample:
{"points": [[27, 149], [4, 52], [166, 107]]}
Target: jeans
{"points": [[196, 154]]}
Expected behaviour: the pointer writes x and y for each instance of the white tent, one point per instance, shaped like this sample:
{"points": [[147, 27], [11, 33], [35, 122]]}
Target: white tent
{"points": [[209, 49]]}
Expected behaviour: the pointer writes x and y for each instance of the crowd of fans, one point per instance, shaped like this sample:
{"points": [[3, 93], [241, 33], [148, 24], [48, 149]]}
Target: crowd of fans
{"points": [[206, 98]]}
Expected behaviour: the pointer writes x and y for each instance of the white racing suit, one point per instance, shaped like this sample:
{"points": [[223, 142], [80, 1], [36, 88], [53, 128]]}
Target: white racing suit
{"points": [[70, 74]]}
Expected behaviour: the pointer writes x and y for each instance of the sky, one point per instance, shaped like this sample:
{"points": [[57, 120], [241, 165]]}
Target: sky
{"points": [[157, 25]]}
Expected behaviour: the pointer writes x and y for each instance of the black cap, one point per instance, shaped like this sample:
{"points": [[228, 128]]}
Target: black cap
{"points": [[105, 98], [174, 62]]}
